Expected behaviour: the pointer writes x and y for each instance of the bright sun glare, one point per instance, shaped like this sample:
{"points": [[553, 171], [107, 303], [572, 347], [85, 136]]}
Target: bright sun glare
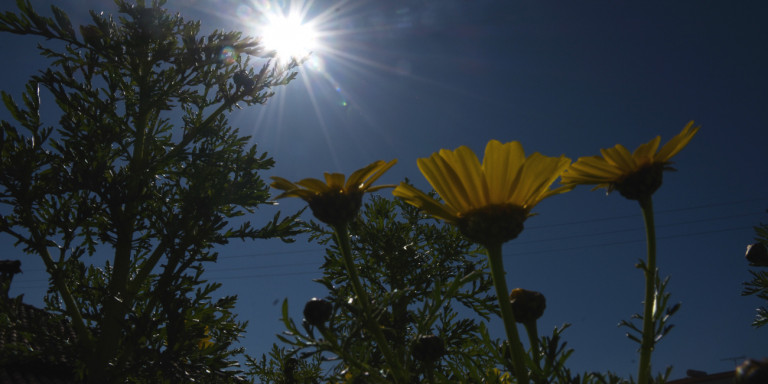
{"points": [[289, 36]]}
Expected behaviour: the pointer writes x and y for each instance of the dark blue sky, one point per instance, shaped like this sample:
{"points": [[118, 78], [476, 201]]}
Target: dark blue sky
{"points": [[403, 79]]}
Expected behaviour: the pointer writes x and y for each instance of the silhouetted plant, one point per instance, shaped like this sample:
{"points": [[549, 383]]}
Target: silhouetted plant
{"points": [[125, 197]]}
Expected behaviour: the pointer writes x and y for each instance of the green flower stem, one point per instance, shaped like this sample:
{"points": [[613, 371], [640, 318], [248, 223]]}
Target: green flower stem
{"points": [[533, 337], [507, 316], [342, 238], [646, 345]]}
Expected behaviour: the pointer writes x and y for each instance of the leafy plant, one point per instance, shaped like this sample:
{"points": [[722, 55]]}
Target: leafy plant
{"points": [[126, 196], [758, 286]]}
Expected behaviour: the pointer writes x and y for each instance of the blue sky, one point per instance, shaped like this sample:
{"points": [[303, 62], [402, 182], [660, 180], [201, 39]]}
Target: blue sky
{"points": [[403, 79]]}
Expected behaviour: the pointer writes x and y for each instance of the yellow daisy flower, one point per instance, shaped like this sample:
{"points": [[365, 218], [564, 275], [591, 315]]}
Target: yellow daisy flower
{"points": [[488, 201], [335, 201], [635, 175]]}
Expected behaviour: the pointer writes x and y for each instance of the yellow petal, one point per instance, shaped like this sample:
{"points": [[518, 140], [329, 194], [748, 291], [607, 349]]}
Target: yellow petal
{"points": [[677, 143], [556, 191], [381, 167], [467, 167], [501, 164], [590, 170], [314, 185], [538, 173], [283, 184], [378, 187], [426, 203], [334, 181], [444, 180], [644, 153], [357, 177], [620, 157], [301, 193]]}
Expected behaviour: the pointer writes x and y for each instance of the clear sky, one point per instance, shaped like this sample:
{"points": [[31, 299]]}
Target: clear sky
{"points": [[405, 78]]}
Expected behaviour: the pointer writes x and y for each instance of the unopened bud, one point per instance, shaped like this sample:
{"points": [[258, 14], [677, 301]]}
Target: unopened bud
{"points": [[428, 348], [757, 255], [289, 368], [527, 306], [317, 311], [241, 79]]}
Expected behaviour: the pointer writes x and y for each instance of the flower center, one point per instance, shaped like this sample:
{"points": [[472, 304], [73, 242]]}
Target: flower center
{"points": [[643, 183], [493, 224], [336, 208]]}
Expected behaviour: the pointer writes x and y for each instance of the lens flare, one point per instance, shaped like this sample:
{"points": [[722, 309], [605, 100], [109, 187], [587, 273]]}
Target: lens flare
{"points": [[244, 12], [228, 55]]}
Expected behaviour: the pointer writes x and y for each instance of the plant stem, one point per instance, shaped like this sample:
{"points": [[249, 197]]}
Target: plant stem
{"points": [[507, 316], [342, 239], [533, 338], [646, 345]]}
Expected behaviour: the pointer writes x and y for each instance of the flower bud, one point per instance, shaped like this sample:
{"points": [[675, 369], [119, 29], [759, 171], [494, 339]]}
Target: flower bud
{"points": [[317, 311], [752, 372], [642, 183], [241, 79], [289, 368], [527, 306], [428, 348], [757, 255], [493, 224]]}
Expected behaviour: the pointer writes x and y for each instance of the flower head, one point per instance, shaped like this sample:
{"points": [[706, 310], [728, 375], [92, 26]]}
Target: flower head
{"points": [[335, 201], [490, 201], [635, 175]]}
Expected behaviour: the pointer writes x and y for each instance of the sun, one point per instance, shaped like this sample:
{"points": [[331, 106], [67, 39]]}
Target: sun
{"points": [[288, 35]]}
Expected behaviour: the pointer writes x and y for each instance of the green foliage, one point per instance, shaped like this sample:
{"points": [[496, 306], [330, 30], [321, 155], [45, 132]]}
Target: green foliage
{"points": [[416, 272], [424, 279], [282, 368], [126, 196], [758, 286], [661, 312]]}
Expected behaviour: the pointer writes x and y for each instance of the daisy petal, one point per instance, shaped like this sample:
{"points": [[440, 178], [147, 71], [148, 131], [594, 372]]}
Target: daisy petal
{"points": [[644, 154], [501, 165], [444, 180], [381, 167], [314, 185], [357, 177], [467, 167], [426, 203], [620, 157], [334, 181], [283, 184], [677, 143]]}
